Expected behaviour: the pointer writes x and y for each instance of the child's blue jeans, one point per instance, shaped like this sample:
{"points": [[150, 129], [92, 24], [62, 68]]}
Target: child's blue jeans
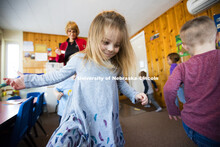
{"points": [[199, 139], [180, 94]]}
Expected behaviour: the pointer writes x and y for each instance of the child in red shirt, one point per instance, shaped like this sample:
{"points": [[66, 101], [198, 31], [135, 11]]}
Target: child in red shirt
{"points": [[201, 78]]}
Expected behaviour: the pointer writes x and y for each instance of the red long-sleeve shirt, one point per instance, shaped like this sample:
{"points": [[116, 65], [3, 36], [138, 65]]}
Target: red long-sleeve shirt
{"points": [[201, 78], [81, 43]]}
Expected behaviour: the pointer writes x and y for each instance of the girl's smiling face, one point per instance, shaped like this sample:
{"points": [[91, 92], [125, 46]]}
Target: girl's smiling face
{"points": [[111, 43]]}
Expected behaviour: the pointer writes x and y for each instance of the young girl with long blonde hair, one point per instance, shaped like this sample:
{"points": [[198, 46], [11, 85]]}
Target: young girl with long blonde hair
{"points": [[91, 117]]}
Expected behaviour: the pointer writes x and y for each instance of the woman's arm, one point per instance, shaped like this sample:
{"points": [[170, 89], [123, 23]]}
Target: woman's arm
{"points": [[59, 55]]}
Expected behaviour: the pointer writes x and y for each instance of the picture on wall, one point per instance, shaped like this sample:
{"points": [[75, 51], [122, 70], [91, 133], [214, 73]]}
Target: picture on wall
{"points": [[217, 23], [27, 54], [28, 46], [180, 50], [154, 36], [40, 48]]}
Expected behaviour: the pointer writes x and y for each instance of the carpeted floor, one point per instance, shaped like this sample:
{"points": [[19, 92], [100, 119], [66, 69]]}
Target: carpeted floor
{"points": [[138, 105], [152, 129], [140, 128]]}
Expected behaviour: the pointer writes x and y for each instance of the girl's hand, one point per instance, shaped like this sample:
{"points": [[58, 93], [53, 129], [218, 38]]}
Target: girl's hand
{"points": [[58, 51], [174, 117], [17, 83], [59, 95], [141, 97]]}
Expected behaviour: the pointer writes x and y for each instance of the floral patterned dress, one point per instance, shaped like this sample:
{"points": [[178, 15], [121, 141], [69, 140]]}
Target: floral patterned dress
{"points": [[91, 117]]}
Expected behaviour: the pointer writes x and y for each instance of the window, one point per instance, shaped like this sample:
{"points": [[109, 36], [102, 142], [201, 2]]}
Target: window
{"points": [[12, 60]]}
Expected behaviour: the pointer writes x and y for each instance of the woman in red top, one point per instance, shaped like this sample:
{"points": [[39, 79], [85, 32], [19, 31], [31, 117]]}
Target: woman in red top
{"points": [[72, 45]]}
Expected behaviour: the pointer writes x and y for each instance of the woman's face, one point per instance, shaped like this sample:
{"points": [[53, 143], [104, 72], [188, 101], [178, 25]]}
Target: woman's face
{"points": [[72, 34], [111, 44]]}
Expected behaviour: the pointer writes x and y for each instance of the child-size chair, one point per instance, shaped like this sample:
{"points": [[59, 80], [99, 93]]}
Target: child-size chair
{"points": [[36, 94], [14, 98], [22, 122], [37, 111]]}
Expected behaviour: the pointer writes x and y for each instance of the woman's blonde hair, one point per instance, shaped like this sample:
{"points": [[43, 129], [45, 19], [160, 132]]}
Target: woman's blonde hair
{"points": [[124, 60], [72, 26]]}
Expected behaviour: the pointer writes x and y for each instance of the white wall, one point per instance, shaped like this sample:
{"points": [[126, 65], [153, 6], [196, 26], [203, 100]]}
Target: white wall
{"points": [[0, 52], [15, 37], [138, 44]]}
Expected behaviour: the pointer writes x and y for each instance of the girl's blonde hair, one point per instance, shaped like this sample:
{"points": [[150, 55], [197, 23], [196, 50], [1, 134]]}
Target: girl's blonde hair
{"points": [[124, 60], [72, 26]]}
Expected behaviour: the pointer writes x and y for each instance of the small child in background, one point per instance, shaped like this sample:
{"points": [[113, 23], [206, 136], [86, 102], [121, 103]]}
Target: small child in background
{"points": [[148, 90], [172, 60], [200, 75], [63, 91]]}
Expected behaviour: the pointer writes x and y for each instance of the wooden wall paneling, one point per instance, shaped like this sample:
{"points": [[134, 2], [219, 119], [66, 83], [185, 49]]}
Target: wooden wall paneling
{"points": [[180, 15], [150, 48], [37, 38], [187, 15], [166, 47], [172, 32], [165, 40], [168, 25], [25, 37], [53, 44], [39, 65], [148, 33], [45, 40], [150, 64], [173, 28], [210, 13], [159, 60], [204, 13], [214, 10], [29, 36], [154, 53], [42, 64], [27, 62], [61, 39]]}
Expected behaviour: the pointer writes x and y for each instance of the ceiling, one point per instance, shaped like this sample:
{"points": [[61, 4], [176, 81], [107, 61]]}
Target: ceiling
{"points": [[51, 16]]}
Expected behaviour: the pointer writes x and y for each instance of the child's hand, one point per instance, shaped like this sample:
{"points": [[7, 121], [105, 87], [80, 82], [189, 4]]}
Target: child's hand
{"points": [[141, 97], [17, 83], [174, 117], [59, 95]]}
